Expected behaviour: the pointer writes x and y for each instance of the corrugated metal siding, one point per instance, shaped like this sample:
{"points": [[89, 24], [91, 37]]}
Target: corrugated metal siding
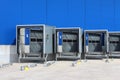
{"points": [[89, 14]]}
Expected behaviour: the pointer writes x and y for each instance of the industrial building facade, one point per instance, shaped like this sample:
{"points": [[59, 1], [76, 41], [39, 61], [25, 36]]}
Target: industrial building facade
{"points": [[88, 14]]}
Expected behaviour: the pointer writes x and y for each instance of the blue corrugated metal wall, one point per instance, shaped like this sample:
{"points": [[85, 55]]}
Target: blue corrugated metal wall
{"points": [[89, 14]]}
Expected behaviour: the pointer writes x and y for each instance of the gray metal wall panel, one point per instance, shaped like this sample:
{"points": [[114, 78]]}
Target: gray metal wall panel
{"points": [[49, 39]]}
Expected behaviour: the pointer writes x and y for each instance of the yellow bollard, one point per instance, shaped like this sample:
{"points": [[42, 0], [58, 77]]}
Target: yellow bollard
{"points": [[26, 68], [78, 62]]}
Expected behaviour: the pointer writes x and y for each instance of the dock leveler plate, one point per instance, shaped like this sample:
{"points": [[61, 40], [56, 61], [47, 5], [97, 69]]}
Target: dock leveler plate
{"points": [[68, 43], [114, 44], [34, 42], [95, 43]]}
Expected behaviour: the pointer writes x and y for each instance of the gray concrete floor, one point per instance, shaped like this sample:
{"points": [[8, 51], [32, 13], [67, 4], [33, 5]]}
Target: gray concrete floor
{"points": [[62, 70]]}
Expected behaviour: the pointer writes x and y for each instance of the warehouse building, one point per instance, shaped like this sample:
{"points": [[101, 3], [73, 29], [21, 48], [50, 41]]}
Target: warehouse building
{"points": [[88, 14]]}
